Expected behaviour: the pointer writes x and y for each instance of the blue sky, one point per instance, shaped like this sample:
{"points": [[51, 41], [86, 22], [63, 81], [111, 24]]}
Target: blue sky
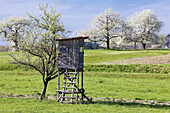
{"points": [[77, 14]]}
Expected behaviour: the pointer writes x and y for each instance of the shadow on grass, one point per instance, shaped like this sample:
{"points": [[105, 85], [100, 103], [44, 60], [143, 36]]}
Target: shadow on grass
{"points": [[131, 104]]}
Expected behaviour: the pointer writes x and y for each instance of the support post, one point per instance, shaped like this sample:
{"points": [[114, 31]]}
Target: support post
{"points": [[77, 85], [82, 79], [58, 95], [82, 90]]}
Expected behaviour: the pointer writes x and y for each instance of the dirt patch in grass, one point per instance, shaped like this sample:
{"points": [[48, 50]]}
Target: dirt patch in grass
{"points": [[163, 59], [121, 101]]}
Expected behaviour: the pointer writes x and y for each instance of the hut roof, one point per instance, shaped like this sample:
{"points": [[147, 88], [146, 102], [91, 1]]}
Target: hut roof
{"points": [[71, 38]]}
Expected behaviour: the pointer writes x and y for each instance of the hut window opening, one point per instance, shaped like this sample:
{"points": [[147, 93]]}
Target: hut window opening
{"points": [[63, 50]]}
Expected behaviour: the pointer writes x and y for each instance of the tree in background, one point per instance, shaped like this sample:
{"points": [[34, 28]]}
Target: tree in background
{"points": [[145, 27], [39, 47], [162, 40], [167, 40], [104, 27], [12, 29], [131, 36]]}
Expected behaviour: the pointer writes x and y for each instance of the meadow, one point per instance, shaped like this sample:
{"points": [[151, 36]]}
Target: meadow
{"points": [[137, 82]]}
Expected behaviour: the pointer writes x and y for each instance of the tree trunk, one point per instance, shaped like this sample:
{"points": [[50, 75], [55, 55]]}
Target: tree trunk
{"points": [[43, 91], [134, 45], [108, 35], [108, 44], [16, 46], [95, 45], [144, 46]]}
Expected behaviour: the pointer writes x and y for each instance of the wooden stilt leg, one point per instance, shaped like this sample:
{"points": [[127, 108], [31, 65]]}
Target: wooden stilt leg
{"points": [[82, 86], [77, 96], [58, 95]]}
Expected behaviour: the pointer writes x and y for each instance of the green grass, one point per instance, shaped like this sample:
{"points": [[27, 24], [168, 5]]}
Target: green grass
{"points": [[94, 57], [51, 106], [104, 55], [138, 82], [130, 68], [97, 84], [3, 58], [128, 86]]}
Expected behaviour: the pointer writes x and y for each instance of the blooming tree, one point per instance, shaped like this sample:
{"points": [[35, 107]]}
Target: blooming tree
{"points": [[12, 28], [39, 47], [167, 40], [104, 27], [144, 26]]}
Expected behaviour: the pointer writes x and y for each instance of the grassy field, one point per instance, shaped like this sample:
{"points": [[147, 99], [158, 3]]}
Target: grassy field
{"points": [[97, 83], [104, 55], [109, 85]]}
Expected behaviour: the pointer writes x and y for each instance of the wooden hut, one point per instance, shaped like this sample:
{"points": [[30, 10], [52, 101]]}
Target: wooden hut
{"points": [[71, 53], [70, 62]]}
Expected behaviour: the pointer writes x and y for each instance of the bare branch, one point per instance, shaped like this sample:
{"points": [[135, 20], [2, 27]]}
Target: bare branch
{"points": [[27, 64]]}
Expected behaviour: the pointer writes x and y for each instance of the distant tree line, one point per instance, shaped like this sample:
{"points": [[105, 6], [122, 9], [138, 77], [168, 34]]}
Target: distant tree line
{"points": [[108, 29]]}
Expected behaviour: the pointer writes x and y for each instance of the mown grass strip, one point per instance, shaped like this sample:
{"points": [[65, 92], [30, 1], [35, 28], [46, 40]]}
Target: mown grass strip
{"points": [[15, 105], [130, 68], [128, 75]]}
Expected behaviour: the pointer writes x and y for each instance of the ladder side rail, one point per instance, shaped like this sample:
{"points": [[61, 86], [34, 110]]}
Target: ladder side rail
{"points": [[77, 96], [82, 95], [64, 89], [58, 95]]}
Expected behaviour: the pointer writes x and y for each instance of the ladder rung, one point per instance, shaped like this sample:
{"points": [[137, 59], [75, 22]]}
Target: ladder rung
{"points": [[70, 77], [68, 92], [68, 97], [69, 87], [72, 73], [70, 82], [67, 102]]}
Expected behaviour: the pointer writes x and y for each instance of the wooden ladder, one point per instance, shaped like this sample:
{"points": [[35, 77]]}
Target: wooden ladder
{"points": [[69, 87]]}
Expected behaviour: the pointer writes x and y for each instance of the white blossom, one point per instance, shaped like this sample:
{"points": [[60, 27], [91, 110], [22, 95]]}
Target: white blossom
{"points": [[145, 26], [104, 27]]}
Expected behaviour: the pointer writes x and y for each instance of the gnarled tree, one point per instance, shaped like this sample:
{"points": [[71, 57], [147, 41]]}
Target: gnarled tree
{"points": [[39, 47]]}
